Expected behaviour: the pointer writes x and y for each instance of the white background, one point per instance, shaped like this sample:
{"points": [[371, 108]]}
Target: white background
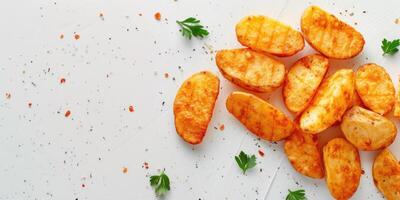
{"points": [[120, 60]]}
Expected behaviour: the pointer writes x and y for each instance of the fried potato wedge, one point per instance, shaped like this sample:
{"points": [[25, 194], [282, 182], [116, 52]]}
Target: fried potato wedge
{"points": [[258, 116], [396, 111], [343, 168], [302, 152], [356, 100], [251, 70], [367, 130], [265, 34], [375, 88], [330, 102], [194, 106], [303, 80], [386, 173], [330, 36]]}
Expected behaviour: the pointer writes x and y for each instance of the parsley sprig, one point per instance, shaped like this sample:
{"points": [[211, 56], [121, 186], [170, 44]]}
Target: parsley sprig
{"points": [[296, 195], [245, 162], [160, 183], [192, 27], [390, 47]]}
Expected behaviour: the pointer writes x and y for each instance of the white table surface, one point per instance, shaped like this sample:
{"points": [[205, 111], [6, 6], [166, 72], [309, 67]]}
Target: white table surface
{"points": [[120, 60]]}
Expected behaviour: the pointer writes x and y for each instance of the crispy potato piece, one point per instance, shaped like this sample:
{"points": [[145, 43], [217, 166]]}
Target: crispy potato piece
{"points": [[396, 111], [260, 117], [386, 173], [265, 34], [356, 100], [194, 106], [343, 168], [302, 152], [330, 36], [332, 99], [251, 70], [303, 80], [375, 88], [367, 130]]}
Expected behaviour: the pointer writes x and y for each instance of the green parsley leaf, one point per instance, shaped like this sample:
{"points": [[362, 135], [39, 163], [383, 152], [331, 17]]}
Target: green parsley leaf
{"points": [[161, 183], [245, 162], [296, 195], [191, 27], [390, 47]]}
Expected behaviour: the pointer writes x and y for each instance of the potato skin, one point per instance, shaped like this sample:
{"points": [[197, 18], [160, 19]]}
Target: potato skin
{"points": [[251, 70], [260, 117], [268, 35], [386, 173], [194, 106], [396, 111], [330, 102], [302, 151], [367, 130], [303, 80], [375, 88], [343, 168], [330, 36]]}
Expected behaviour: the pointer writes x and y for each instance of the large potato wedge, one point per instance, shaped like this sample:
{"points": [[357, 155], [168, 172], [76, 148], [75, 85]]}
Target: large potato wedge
{"points": [[375, 88], [302, 81], [302, 152], [330, 36], [342, 167], [194, 106], [367, 130], [396, 111], [330, 102], [386, 173], [260, 117], [265, 34], [251, 70]]}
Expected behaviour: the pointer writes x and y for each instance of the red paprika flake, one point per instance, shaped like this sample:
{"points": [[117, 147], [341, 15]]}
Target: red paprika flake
{"points": [[166, 75], [62, 80], [62, 36], [222, 127], [125, 170], [261, 153], [146, 165], [30, 105], [83, 185], [131, 109], [76, 36], [68, 113], [362, 172], [157, 16], [8, 95]]}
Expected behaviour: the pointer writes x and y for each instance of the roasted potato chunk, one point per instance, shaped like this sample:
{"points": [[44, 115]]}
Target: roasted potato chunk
{"points": [[375, 88], [332, 99], [396, 111], [386, 173], [342, 167], [330, 36], [303, 80], [260, 117], [265, 34], [367, 130], [194, 106], [302, 152], [356, 100], [251, 70]]}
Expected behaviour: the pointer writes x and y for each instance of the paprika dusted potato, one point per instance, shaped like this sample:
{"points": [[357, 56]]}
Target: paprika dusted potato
{"points": [[396, 111], [386, 173]]}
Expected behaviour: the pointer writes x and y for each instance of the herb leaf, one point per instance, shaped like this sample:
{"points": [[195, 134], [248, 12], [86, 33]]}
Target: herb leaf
{"points": [[296, 195], [161, 183], [245, 162], [192, 27], [390, 47]]}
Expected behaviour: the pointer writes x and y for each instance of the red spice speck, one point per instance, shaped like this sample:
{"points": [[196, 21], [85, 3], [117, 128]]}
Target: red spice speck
{"points": [[62, 36], [124, 170], [76, 36], [30, 105], [83, 185], [68, 113], [62, 80], [222, 127], [261, 153], [157, 16], [131, 109], [166, 75], [8, 95], [362, 172], [146, 165]]}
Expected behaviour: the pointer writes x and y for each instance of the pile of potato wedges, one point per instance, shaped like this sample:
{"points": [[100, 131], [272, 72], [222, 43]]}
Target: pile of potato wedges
{"points": [[357, 101]]}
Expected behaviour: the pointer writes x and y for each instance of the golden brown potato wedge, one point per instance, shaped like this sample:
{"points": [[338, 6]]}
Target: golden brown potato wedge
{"points": [[367, 130], [386, 173], [356, 100], [265, 34], [302, 81], [251, 70], [194, 106], [260, 117], [342, 167], [396, 111], [330, 36], [302, 152], [375, 88], [332, 99]]}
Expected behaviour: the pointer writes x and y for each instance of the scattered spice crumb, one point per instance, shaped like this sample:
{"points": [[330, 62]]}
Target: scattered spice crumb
{"points": [[222, 127], [146, 165], [68, 113], [362, 172], [83, 185], [77, 36], [8, 95], [125, 170], [157, 16], [30, 105], [397, 21], [351, 14], [140, 14], [62, 80], [62, 36], [101, 15], [261, 153], [166, 75], [131, 109]]}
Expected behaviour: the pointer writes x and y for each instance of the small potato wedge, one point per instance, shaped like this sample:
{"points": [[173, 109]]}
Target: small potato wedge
{"points": [[260, 117], [302, 152], [330, 102], [303, 80], [194, 106], [330, 36], [396, 111], [251, 70], [375, 88], [386, 173], [265, 34], [343, 168], [367, 130]]}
